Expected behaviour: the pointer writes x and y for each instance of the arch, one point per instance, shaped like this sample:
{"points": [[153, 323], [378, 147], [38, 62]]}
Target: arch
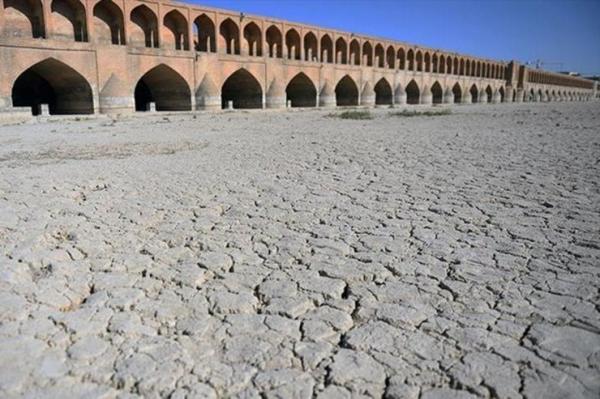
{"points": [[455, 66], [243, 89], [144, 30], [204, 29], [292, 42], [390, 56], [410, 58], [437, 93], [449, 65], [109, 24], [474, 94], [69, 20], [367, 50], [379, 56], [502, 94], [442, 64], [274, 42], [253, 37], [326, 49], [413, 94], [311, 47], [468, 68], [341, 51], [457, 91], [401, 59], [56, 84], [419, 60], [434, 64], [301, 91], [346, 92], [164, 87], [230, 33], [176, 34], [462, 67], [383, 92], [488, 93], [354, 52], [24, 18], [427, 62], [478, 69]]}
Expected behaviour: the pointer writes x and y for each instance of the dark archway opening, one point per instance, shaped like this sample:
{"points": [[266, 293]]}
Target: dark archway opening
{"points": [[165, 88], [383, 92], [488, 94], [243, 89], [474, 94], [346, 92], [301, 91], [456, 90], [437, 94], [59, 86], [413, 94]]}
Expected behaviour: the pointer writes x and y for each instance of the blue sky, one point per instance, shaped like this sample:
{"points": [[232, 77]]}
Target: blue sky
{"points": [[554, 31]]}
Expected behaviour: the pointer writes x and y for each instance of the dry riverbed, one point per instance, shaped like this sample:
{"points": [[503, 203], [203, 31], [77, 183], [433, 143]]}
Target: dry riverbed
{"points": [[297, 254]]}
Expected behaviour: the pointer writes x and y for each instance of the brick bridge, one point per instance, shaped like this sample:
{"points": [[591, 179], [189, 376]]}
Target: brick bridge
{"points": [[106, 56]]}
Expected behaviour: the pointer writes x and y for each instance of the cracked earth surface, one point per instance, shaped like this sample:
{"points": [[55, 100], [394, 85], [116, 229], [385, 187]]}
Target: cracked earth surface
{"points": [[294, 255]]}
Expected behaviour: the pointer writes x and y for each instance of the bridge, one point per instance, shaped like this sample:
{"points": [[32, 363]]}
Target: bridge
{"points": [[120, 56]]}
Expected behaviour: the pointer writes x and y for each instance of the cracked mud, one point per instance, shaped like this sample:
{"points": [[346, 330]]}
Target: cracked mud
{"points": [[295, 255]]}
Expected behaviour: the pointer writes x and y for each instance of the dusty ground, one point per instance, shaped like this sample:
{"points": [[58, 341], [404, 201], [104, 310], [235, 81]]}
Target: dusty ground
{"points": [[292, 254]]}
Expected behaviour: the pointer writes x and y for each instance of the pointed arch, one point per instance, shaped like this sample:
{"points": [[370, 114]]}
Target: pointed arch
{"points": [[489, 93], [462, 67], [419, 60], [205, 32], [253, 37], [243, 89], [442, 64], [176, 34], [401, 59], [468, 67], [367, 50], [379, 56], [292, 42], [502, 94], [326, 49], [474, 94], [413, 93], [301, 91], [341, 51], [274, 42], [354, 52], [230, 33], [311, 47], [434, 64], [437, 93], [109, 24], [383, 92], [346, 92], [457, 91], [164, 87], [390, 56], [410, 58], [55, 84], [69, 20], [449, 69], [455, 66], [24, 18], [427, 58], [144, 27]]}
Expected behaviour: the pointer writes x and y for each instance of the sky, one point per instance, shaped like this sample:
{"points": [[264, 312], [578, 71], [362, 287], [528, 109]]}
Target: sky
{"points": [[563, 34]]}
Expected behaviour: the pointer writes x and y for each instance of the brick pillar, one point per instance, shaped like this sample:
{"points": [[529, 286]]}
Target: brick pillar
{"points": [[89, 21], [47, 15]]}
